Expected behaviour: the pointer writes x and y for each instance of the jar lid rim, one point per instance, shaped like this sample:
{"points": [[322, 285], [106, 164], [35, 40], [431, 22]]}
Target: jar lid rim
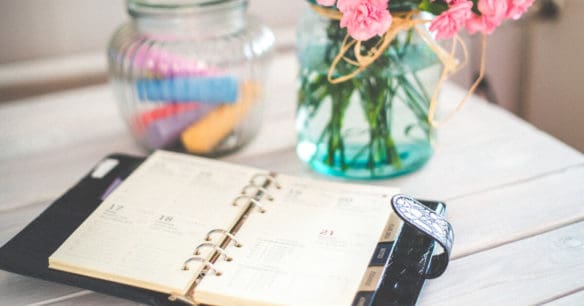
{"points": [[160, 7]]}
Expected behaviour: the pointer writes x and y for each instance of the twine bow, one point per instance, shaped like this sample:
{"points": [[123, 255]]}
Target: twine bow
{"points": [[402, 22]]}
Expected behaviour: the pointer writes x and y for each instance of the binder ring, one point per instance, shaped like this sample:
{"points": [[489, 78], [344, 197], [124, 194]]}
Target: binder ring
{"points": [[224, 232], [258, 188], [207, 264], [251, 199], [267, 177], [214, 246]]}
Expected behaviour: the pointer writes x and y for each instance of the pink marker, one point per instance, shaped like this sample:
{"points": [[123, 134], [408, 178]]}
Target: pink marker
{"points": [[163, 64]]}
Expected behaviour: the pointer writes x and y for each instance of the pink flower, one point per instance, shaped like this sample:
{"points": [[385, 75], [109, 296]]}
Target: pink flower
{"points": [[516, 8], [493, 13], [326, 2], [447, 24], [364, 18], [494, 9]]}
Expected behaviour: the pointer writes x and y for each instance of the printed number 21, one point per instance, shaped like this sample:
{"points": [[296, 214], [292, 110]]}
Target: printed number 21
{"points": [[165, 218], [116, 207], [327, 232]]}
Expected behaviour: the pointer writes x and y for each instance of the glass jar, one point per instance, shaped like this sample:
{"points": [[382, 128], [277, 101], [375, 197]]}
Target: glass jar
{"points": [[189, 75], [375, 124]]}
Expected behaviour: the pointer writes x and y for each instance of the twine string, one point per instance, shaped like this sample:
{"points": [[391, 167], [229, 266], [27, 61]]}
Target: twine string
{"points": [[363, 60], [469, 93], [401, 22]]}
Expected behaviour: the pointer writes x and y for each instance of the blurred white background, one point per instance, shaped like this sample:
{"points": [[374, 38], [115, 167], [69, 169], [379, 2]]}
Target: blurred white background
{"points": [[534, 65]]}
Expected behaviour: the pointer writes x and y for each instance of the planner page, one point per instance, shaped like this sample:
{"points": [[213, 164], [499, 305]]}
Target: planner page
{"points": [[144, 231], [312, 246]]}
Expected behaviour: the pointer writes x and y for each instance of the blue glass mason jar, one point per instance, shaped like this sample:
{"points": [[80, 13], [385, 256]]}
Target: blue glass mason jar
{"points": [[189, 75], [374, 125]]}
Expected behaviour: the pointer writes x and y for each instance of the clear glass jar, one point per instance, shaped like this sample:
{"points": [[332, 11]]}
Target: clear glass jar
{"points": [[373, 125], [189, 75]]}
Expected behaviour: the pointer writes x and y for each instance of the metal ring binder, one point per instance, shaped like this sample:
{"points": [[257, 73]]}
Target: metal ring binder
{"points": [[251, 199], [258, 188], [267, 177], [256, 203], [261, 190], [207, 264], [214, 246], [224, 232]]}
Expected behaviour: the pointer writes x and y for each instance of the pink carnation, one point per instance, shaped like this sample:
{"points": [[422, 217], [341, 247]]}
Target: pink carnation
{"points": [[364, 18], [516, 8], [493, 13], [447, 24], [326, 2]]}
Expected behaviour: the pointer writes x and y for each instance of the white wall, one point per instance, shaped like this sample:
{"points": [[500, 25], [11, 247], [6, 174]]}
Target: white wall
{"points": [[34, 28], [554, 93]]}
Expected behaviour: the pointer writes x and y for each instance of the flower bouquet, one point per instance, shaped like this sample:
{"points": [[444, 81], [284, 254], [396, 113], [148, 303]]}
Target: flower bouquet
{"points": [[370, 76]]}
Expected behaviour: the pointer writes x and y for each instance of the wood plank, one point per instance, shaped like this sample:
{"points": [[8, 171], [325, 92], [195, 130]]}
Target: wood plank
{"points": [[520, 273], [33, 127], [44, 177], [485, 220], [11, 222], [20, 290], [574, 299], [87, 298]]}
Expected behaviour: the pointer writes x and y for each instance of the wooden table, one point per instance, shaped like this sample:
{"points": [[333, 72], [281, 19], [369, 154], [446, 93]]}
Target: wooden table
{"points": [[515, 195]]}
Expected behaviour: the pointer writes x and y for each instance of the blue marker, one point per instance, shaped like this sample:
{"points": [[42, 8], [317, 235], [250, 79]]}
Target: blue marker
{"points": [[205, 89]]}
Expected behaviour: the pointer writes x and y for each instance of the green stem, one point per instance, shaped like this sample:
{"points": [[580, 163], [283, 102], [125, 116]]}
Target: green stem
{"points": [[340, 98], [422, 89], [323, 134], [391, 152]]}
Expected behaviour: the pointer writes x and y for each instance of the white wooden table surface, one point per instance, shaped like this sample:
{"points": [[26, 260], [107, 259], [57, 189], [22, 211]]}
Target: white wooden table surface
{"points": [[515, 195]]}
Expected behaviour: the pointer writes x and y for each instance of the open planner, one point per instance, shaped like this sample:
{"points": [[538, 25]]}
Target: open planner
{"points": [[201, 231]]}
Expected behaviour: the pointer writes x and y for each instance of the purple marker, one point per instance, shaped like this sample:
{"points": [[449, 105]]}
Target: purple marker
{"points": [[111, 188], [163, 132]]}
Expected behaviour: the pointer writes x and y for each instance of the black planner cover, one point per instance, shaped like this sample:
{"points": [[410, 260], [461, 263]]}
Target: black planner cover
{"points": [[27, 253]]}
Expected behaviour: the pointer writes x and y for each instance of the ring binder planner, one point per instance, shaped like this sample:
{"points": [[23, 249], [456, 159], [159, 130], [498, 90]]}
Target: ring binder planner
{"points": [[347, 237], [215, 247]]}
